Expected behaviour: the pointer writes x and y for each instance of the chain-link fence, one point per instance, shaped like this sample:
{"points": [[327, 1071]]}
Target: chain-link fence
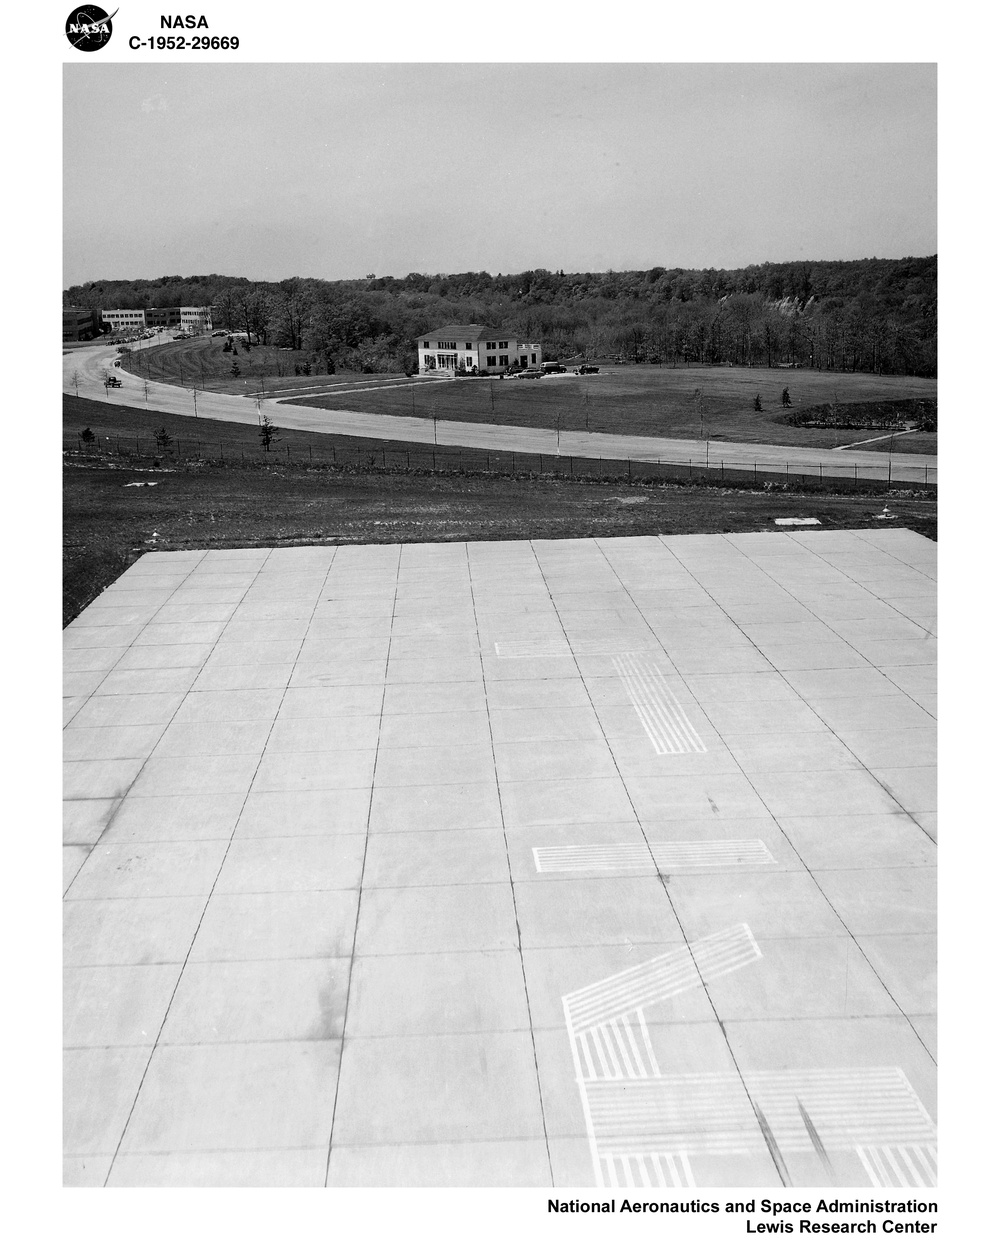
{"points": [[390, 457]]}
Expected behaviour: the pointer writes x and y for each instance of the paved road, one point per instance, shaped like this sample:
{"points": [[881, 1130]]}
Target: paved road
{"points": [[90, 364], [593, 862]]}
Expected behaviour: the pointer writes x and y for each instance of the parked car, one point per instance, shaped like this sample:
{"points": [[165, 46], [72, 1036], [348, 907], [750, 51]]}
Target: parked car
{"points": [[113, 382], [589, 369], [530, 373], [552, 366]]}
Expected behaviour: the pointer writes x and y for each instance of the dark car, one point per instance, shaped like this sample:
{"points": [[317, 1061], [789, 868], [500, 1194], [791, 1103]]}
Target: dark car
{"points": [[552, 366], [113, 382], [589, 369], [531, 373]]}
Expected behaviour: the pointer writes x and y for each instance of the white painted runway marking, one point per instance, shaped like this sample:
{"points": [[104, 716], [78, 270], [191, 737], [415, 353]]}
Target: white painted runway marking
{"points": [[543, 648], [900, 1166], [661, 715], [529, 648], [660, 978], [713, 1114], [661, 856]]}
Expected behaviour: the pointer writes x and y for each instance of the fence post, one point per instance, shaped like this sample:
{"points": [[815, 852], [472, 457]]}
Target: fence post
{"points": [[722, 471], [925, 475], [821, 475], [755, 473], [629, 463]]}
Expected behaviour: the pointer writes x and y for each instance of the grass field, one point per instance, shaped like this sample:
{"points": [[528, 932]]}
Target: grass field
{"points": [[622, 399], [669, 403], [281, 498]]}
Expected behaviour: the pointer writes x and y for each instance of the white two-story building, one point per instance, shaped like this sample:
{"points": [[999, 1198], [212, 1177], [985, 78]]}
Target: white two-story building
{"points": [[474, 348]]}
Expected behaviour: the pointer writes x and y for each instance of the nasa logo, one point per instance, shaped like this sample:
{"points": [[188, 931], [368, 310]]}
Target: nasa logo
{"points": [[88, 28]]}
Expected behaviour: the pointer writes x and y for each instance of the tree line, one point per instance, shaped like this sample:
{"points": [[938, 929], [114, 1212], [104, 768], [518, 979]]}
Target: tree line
{"points": [[877, 316]]}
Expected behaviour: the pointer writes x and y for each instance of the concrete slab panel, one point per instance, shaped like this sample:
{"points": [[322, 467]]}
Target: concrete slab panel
{"points": [[116, 1006], [882, 900], [84, 820], [195, 1097], [447, 1088], [449, 857], [302, 924], [773, 904], [263, 865], [272, 1000], [99, 1088], [255, 1169], [427, 919], [416, 809], [515, 1164], [281, 813], [129, 931], [892, 840], [480, 991], [128, 710], [623, 912], [440, 811], [169, 818], [149, 870]]}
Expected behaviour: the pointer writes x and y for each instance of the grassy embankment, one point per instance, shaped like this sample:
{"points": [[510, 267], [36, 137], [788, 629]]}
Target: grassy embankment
{"points": [[246, 497]]}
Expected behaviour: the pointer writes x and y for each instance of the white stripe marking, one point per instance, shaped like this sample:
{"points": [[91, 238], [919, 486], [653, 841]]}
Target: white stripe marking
{"points": [[661, 856], [666, 723]]}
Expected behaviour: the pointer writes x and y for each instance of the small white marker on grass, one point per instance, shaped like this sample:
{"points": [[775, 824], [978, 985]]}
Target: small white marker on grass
{"points": [[796, 520]]}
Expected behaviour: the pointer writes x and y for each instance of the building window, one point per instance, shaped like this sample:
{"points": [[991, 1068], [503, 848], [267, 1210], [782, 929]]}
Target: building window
{"points": [[445, 346], [468, 348], [504, 360], [429, 362], [524, 360], [503, 344], [468, 362], [427, 344], [491, 347], [491, 361], [532, 357]]}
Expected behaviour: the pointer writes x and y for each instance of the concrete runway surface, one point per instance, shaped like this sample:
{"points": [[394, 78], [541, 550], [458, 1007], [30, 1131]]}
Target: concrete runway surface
{"points": [[594, 862], [84, 369]]}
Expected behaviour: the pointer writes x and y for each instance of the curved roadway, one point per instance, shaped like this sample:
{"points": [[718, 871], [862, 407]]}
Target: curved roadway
{"points": [[84, 370]]}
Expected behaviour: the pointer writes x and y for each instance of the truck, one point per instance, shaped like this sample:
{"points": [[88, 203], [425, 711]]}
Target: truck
{"points": [[552, 366]]}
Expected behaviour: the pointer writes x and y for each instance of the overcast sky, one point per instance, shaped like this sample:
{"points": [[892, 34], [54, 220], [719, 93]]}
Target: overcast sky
{"points": [[337, 171]]}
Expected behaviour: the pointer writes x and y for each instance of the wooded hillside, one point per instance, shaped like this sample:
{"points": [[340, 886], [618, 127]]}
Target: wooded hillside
{"points": [[876, 316]]}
